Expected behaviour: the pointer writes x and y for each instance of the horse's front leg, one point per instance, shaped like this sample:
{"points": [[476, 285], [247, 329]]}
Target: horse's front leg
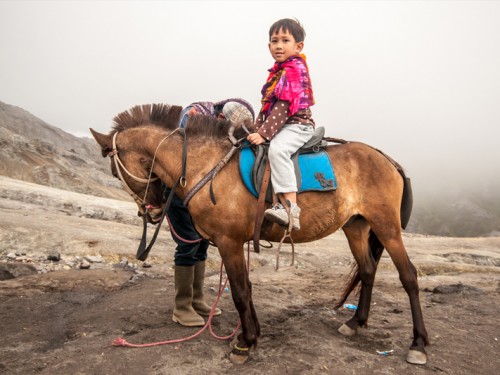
{"points": [[232, 255]]}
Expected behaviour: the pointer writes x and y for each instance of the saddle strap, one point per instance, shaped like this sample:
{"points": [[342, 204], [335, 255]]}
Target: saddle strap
{"points": [[259, 216]]}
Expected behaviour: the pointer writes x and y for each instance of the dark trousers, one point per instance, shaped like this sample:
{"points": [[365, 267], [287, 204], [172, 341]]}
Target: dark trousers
{"points": [[186, 254]]}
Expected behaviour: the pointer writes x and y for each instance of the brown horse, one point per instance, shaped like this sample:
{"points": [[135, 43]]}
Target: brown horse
{"points": [[369, 205]]}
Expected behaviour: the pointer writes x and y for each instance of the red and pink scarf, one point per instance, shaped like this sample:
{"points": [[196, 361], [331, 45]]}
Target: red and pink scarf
{"points": [[288, 81]]}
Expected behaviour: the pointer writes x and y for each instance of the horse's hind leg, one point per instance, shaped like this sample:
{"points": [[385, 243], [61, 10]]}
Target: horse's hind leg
{"points": [[357, 234], [393, 242]]}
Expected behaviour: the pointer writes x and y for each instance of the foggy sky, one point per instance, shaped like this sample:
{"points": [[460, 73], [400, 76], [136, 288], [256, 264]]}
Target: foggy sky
{"points": [[418, 79]]}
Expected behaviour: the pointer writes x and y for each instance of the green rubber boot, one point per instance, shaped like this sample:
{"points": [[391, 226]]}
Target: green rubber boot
{"points": [[199, 304], [184, 313]]}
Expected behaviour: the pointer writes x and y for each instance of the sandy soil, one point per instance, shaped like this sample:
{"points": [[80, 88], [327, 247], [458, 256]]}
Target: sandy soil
{"points": [[64, 322]]}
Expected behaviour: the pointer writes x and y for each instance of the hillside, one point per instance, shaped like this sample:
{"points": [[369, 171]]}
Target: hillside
{"points": [[33, 151], [461, 212]]}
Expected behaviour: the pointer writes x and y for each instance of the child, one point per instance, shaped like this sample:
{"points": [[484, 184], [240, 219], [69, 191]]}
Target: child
{"points": [[285, 118]]}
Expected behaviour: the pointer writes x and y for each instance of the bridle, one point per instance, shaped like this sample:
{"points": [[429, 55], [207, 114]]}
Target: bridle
{"points": [[113, 154], [119, 166], [143, 251]]}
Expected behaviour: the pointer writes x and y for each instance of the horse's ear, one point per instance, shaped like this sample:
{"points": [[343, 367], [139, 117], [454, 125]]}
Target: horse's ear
{"points": [[105, 141]]}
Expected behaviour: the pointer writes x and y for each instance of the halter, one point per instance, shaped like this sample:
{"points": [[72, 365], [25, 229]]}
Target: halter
{"points": [[118, 163], [119, 166], [143, 250]]}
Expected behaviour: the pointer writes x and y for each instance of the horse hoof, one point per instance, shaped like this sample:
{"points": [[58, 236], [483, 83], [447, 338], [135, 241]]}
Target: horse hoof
{"points": [[346, 330], [237, 359], [233, 342], [416, 358]]}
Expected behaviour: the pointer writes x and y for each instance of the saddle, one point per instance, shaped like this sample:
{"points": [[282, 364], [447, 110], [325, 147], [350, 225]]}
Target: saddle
{"points": [[313, 168]]}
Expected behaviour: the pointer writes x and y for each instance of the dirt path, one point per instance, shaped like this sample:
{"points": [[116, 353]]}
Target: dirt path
{"points": [[64, 322]]}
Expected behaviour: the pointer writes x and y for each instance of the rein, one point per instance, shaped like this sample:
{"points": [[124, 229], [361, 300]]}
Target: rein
{"points": [[118, 163], [210, 176], [120, 341], [215, 170], [143, 250]]}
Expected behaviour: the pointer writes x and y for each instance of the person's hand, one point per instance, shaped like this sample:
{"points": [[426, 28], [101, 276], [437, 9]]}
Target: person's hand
{"points": [[256, 139]]}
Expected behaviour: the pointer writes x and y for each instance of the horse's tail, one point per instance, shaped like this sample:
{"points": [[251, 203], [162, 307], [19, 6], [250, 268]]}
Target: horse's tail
{"points": [[376, 250], [407, 200]]}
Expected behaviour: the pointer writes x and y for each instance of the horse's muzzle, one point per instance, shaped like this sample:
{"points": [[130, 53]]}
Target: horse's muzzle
{"points": [[152, 214]]}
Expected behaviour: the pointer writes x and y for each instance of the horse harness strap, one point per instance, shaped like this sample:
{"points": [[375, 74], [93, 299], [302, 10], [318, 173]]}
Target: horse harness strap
{"points": [[143, 251], [119, 166], [210, 177]]}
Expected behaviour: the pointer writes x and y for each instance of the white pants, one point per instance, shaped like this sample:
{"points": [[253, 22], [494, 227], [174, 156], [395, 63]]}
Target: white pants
{"points": [[284, 144]]}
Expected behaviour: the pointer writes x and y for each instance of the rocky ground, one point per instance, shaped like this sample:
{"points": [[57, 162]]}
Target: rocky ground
{"points": [[70, 285]]}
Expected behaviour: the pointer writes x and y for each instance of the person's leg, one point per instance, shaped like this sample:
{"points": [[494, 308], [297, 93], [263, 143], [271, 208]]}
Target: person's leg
{"points": [[188, 246], [183, 232], [184, 312], [282, 147], [199, 304]]}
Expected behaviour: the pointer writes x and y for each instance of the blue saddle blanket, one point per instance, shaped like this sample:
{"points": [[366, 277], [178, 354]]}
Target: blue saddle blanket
{"points": [[314, 171]]}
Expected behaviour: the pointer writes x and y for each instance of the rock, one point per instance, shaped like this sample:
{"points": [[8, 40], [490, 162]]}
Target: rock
{"points": [[13, 270], [84, 265], [275, 289], [54, 257], [456, 288], [94, 258], [120, 265]]}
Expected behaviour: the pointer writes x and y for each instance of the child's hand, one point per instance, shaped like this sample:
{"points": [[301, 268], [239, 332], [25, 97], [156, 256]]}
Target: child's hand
{"points": [[256, 139]]}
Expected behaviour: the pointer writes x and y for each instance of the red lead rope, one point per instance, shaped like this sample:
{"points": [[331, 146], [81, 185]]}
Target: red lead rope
{"points": [[122, 342]]}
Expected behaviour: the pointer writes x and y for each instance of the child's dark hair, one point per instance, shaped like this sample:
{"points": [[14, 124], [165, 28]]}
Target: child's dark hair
{"points": [[288, 25]]}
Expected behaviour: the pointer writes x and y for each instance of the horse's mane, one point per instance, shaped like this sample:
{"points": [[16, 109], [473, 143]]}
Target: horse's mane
{"points": [[163, 115], [202, 126], [167, 116]]}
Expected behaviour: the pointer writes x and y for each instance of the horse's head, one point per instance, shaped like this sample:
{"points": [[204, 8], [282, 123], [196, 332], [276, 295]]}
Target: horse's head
{"points": [[135, 173]]}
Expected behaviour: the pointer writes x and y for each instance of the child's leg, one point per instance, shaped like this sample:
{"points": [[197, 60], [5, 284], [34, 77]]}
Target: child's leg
{"points": [[284, 144], [282, 147], [292, 196]]}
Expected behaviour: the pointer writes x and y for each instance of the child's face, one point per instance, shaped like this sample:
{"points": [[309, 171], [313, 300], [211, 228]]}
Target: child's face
{"points": [[283, 45]]}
